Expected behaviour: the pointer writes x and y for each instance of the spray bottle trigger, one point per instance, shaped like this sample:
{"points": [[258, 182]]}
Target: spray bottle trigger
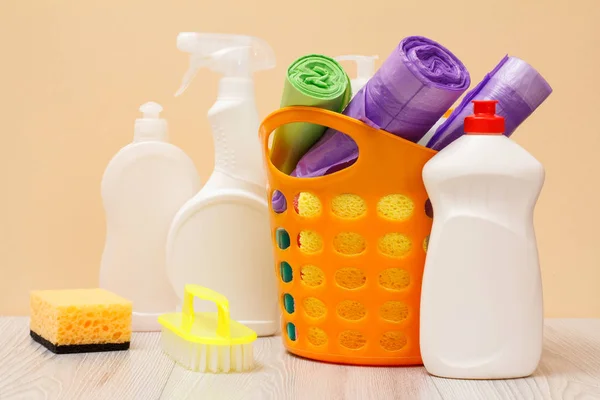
{"points": [[196, 62], [232, 67]]}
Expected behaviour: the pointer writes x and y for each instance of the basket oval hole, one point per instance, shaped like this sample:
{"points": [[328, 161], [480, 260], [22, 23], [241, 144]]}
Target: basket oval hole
{"points": [[310, 242], [316, 336], [307, 205], [349, 243], [348, 206], [394, 278], [286, 272], [352, 339], [395, 207], [278, 202], [283, 238], [291, 331], [350, 278], [393, 340], [288, 303], [312, 276], [395, 245]]}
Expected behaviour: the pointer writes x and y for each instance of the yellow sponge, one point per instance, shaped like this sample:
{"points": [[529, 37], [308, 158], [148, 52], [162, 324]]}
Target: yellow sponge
{"points": [[394, 278], [350, 278], [310, 242], [393, 340], [309, 205], [349, 243], [316, 336], [351, 310], [352, 339], [312, 275], [395, 311], [395, 207], [80, 320], [395, 245], [348, 206], [314, 307]]}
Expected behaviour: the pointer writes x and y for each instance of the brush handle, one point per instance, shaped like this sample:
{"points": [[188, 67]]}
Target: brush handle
{"points": [[191, 291]]}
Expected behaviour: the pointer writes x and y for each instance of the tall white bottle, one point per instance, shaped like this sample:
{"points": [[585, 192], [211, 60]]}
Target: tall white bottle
{"points": [[144, 185], [365, 68], [481, 301], [221, 238]]}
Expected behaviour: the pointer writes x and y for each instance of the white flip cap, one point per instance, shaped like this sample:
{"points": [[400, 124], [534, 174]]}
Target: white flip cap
{"points": [[150, 126]]}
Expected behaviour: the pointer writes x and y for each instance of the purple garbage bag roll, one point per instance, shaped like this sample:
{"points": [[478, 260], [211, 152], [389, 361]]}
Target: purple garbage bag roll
{"points": [[412, 89], [517, 86], [278, 202]]}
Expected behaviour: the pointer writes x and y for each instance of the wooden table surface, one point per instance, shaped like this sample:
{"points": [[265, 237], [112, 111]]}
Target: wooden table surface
{"points": [[570, 369]]}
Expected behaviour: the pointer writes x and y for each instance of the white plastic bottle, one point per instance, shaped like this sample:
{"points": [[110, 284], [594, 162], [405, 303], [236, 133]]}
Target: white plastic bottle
{"points": [[365, 68], [144, 185], [425, 139], [221, 238], [481, 301]]}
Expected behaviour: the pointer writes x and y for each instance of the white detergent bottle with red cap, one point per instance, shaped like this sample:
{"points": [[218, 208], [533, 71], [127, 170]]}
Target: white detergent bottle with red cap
{"points": [[481, 301]]}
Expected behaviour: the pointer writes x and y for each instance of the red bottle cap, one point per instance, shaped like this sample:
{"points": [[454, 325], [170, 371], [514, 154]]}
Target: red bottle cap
{"points": [[484, 120]]}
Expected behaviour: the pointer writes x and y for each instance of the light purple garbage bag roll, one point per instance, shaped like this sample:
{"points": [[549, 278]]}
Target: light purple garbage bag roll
{"points": [[517, 86], [413, 88]]}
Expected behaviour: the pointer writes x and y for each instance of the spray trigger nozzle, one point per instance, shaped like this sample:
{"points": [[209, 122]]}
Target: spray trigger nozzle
{"points": [[151, 110], [198, 61], [232, 56]]}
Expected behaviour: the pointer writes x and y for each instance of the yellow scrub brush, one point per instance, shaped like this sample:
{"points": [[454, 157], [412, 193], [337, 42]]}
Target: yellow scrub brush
{"points": [[207, 342]]}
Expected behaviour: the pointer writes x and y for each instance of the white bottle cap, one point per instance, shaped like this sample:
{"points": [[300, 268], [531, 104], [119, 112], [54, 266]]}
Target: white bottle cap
{"points": [[150, 126]]}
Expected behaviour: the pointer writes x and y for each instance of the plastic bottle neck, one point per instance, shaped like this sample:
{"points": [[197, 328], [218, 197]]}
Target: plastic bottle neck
{"points": [[150, 130], [358, 84], [234, 121], [498, 134], [236, 88], [139, 139]]}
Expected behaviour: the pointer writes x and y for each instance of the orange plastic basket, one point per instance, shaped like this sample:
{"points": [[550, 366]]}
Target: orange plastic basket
{"points": [[361, 308]]}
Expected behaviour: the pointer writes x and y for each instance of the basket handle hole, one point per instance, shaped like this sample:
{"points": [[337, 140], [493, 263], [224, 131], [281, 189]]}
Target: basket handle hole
{"points": [[306, 150]]}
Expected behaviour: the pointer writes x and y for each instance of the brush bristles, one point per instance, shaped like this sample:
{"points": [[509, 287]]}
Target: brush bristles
{"points": [[207, 358]]}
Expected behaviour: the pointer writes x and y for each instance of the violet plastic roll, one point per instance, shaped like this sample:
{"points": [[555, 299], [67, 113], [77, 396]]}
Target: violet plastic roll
{"points": [[517, 86], [278, 202], [409, 93]]}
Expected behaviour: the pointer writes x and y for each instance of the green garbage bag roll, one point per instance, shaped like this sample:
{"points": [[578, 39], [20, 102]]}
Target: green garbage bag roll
{"points": [[315, 81]]}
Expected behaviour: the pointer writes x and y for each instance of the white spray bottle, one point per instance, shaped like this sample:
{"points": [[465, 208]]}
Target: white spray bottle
{"points": [[221, 237], [365, 68], [143, 187]]}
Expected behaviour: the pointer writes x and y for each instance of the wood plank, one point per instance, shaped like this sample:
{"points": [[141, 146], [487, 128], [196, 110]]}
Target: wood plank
{"points": [[29, 371], [280, 375], [570, 369], [572, 358]]}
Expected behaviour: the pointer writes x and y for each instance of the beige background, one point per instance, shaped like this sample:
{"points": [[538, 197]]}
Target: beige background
{"points": [[73, 74]]}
